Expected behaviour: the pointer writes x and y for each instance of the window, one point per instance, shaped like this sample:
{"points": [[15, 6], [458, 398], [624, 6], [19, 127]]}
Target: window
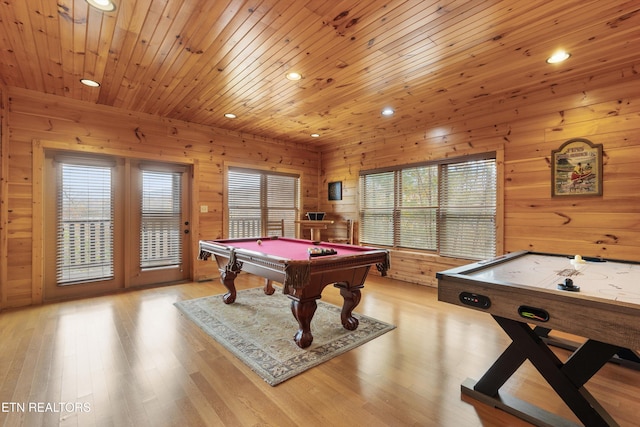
{"points": [[468, 209], [445, 207], [160, 227], [85, 223], [399, 208], [257, 197]]}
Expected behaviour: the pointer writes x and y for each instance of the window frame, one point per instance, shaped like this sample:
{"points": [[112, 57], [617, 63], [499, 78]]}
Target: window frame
{"points": [[266, 210], [496, 156]]}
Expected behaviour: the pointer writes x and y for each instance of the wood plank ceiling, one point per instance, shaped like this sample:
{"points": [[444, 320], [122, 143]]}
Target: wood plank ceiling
{"points": [[195, 60]]}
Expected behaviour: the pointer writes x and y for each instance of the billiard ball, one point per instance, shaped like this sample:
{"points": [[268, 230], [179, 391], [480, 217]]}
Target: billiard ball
{"points": [[259, 242]]}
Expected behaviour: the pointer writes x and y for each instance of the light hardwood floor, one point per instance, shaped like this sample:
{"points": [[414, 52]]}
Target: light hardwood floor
{"points": [[132, 359]]}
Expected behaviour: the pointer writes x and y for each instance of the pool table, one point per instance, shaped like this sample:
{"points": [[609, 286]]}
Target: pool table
{"points": [[302, 275]]}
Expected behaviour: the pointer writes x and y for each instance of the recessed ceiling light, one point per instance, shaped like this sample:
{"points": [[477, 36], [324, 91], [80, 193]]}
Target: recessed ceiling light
{"points": [[103, 5], [315, 135], [230, 116], [559, 56], [89, 82], [387, 111], [294, 76]]}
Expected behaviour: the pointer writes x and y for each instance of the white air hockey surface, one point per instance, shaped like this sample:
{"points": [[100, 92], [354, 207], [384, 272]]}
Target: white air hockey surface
{"points": [[616, 281]]}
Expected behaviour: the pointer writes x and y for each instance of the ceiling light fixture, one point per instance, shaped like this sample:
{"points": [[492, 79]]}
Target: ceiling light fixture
{"points": [[230, 116], [315, 135], [293, 76], [103, 5], [557, 57], [89, 82], [387, 111]]}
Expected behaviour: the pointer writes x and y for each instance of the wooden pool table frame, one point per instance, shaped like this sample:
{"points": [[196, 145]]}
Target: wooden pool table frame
{"points": [[303, 279]]}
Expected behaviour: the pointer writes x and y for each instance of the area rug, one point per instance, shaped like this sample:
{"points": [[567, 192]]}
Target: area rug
{"points": [[259, 330]]}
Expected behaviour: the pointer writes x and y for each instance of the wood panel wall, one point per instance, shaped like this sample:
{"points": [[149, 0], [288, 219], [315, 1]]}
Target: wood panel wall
{"points": [[87, 127], [4, 161], [604, 110]]}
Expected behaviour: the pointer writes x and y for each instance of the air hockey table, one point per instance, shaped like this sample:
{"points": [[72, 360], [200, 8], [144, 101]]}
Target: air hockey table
{"points": [[595, 299]]}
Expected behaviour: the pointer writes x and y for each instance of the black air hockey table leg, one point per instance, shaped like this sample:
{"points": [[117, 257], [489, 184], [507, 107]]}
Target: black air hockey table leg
{"points": [[624, 357], [566, 379]]}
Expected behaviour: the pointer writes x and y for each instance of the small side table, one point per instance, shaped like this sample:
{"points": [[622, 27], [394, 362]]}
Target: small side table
{"points": [[315, 227]]}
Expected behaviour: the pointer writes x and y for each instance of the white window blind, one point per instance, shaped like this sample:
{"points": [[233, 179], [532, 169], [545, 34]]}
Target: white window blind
{"points": [[160, 227], [255, 197], [85, 224], [399, 208], [282, 201], [447, 207], [243, 199], [377, 201], [468, 209], [418, 207]]}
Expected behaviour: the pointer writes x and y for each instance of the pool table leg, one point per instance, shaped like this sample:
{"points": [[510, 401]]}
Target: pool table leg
{"points": [[227, 278], [351, 298], [303, 311], [268, 287]]}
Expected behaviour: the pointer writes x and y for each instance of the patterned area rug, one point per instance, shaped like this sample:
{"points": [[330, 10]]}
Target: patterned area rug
{"points": [[259, 330]]}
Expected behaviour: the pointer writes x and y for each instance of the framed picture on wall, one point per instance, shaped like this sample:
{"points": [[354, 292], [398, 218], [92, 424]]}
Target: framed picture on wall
{"points": [[335, 190], [576, 169]]}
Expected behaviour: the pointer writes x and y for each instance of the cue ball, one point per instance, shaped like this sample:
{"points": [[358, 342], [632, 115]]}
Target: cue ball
{"points": [[259, 242]]}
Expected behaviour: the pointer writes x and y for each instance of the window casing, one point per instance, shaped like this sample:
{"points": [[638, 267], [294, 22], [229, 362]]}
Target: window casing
{"points": [[446, 207], [255, 197]]}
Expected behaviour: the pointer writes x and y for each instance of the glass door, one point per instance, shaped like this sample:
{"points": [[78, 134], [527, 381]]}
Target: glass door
{"points": [[83, 226], [160, 224], [113, 223]]}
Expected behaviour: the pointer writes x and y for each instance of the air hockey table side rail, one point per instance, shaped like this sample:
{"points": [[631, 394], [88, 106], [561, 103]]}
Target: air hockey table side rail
{"points": [[598, 318]]}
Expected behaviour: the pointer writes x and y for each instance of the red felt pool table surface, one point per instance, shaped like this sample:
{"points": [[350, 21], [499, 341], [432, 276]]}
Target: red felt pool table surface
{"points": [[290, 249]]}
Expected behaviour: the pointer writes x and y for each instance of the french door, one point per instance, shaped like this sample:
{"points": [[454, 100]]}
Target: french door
{"points": [[159, 225], [113, 223]]}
